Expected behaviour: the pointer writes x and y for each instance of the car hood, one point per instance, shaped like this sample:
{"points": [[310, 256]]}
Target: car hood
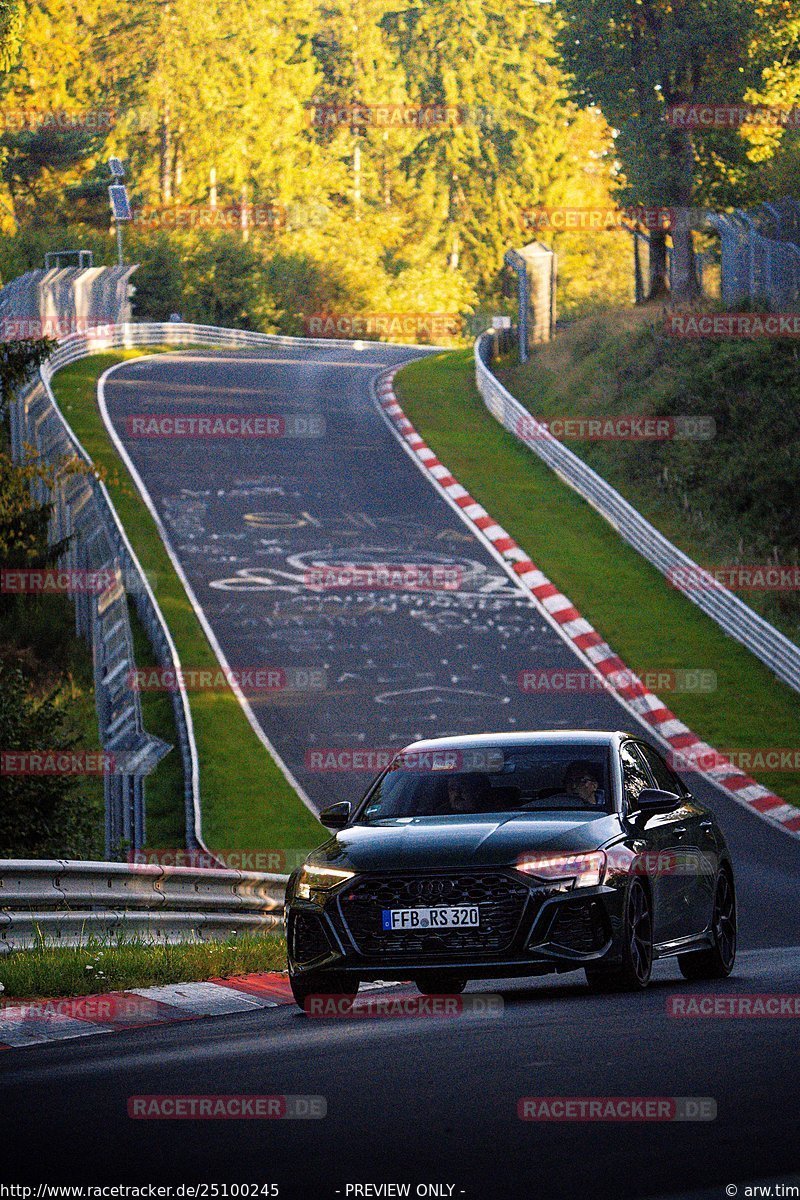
{"points": [[471, 840]]}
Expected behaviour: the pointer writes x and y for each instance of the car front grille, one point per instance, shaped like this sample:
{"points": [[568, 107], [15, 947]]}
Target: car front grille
{"points": [[309, 940], [500, 898], [578, 927]]}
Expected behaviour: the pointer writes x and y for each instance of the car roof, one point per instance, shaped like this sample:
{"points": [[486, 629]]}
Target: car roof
{"points": [[552, 737]]}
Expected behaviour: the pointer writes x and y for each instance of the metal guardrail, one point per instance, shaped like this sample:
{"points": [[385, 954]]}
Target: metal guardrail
{"points": [[83, 511], [730, 613], [67, 903]]}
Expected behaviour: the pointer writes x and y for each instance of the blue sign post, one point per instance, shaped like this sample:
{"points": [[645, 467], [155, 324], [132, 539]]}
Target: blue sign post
{"points": [[120, 205]]}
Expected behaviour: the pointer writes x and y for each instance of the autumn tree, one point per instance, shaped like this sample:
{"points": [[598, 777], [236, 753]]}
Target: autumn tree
{"points": [[10, 29], [636, 59], [774, 146]]}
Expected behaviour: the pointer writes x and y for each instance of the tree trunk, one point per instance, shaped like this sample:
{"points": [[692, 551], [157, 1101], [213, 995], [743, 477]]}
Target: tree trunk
{"points": [[638, 284], [177, 169], [165, 156], [357, 180], [659, 276], [244, 216], [385, 169], [685, 284]]}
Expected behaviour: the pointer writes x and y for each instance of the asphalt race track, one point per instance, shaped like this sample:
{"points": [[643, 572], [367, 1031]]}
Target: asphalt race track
{"points": [[425, 1101], [250, 519], [429, 1100]]}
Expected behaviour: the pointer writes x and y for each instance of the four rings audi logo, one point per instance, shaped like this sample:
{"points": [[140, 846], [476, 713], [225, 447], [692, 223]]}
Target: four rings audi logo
{"points": [[432, 889]]}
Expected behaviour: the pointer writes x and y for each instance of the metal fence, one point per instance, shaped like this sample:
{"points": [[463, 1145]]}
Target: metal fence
{"points": [[84, 513], [729, 612], [68, 903], [68, 299], [761, 256], [100, 555], [106, 570]]}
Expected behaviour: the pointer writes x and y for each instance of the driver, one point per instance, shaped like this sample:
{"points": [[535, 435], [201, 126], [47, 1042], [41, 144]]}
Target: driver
{"points": [[580, 779], [465, 793]]}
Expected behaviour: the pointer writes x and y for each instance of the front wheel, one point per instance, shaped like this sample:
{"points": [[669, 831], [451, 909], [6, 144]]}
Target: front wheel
{"points": [[332, 983], [441, 985], [717, 962], [633, 974]]}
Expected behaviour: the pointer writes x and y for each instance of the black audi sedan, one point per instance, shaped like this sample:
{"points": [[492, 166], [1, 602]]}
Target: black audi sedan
{"points": [[517, 854]]}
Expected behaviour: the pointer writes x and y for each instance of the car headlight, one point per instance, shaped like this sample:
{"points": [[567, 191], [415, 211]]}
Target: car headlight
{"points": [[320, 879], [577, 870]]}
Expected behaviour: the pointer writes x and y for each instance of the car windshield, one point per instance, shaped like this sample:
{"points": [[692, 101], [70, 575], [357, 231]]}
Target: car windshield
{"points": [[525, 779]]}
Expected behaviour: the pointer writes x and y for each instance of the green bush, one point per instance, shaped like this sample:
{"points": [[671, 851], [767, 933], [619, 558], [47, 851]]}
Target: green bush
{"points": [[731, 498], [42, 816]]}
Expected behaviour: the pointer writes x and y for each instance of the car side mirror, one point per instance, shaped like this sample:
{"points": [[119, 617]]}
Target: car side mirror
{"points": [[337, 815], [654, 800]]}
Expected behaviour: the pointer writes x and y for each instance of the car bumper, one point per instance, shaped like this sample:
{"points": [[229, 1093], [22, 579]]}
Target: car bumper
{"points": [[556, 931]]}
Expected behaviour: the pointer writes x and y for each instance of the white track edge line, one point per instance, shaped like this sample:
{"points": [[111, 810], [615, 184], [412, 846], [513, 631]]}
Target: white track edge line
{"points": [[198, 611]]}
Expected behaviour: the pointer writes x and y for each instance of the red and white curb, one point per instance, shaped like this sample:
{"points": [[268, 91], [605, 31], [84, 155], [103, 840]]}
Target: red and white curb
{"points": [[32, 1022], [587, 643]]}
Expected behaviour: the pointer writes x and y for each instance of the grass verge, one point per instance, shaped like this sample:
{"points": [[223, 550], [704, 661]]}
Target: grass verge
{"points": [[109, 966], [247, 803], [647, 622], [733, 498]]}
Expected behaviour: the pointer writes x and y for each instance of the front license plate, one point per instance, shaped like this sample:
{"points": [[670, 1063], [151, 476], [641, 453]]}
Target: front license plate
{"points": [[462, 916]]}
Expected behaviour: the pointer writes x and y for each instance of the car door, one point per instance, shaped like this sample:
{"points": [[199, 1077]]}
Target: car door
{"points": [[694, 830], [661, 836]]}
